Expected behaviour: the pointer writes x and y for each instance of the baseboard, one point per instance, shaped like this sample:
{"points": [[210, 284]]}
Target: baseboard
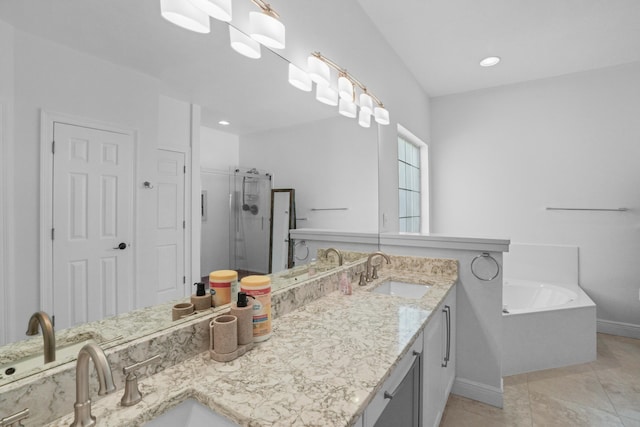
{"points": [[618, 328], [477, 391]]}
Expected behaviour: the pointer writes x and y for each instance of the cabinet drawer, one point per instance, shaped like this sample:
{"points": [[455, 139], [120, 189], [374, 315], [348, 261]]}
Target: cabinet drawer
{"points": [[379, 402]]}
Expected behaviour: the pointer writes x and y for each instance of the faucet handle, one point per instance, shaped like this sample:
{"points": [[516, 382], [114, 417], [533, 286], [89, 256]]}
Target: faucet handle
{"points": [[363, 280], [132, 393], [14, 420]]}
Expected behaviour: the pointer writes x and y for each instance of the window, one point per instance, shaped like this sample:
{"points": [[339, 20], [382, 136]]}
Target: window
{"points": [[412, 184]]}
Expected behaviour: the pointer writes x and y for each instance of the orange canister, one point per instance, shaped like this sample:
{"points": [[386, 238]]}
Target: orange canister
{"points": [[259, 287], [223, 282]]}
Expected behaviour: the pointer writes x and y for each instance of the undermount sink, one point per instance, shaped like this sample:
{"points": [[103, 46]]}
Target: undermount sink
{"points": [[190, 413], [401, 289], [29, 363]]}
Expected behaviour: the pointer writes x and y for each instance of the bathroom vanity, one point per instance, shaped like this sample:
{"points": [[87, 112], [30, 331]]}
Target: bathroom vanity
{"points": [[331, 360]]}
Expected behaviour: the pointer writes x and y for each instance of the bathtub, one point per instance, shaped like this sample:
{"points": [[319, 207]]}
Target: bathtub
{"points": [[546, 325]]}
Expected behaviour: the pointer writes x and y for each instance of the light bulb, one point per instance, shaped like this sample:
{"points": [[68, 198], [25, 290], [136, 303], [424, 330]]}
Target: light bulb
{"points": [[326, 95], [318, 70], [218, 9], [266, 29], [298, 78], [185, 15]]}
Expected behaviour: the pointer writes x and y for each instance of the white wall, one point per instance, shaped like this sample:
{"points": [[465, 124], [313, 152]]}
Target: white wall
{"points": [[502, 155], [6, 134], [330, 163], [218, 152]]}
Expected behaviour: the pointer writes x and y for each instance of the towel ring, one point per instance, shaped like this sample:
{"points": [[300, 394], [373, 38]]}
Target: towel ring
{"points": [[303, 243], [485, 255]]}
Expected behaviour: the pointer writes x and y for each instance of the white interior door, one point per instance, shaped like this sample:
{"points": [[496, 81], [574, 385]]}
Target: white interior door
{"points": [[92, 224], [170, 244]]}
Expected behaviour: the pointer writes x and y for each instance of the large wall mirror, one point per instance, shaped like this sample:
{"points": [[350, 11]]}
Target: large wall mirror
{"points": [[118, 64]]}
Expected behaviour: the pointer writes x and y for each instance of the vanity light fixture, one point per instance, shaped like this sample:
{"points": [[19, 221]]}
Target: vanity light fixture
{"points": [[185, 15], [319, 71], [265, 27], [327, 95], [348, 108], [364, 119], [490, 61], [218, 9], [224, 123], [243, 44], [298, 78]]}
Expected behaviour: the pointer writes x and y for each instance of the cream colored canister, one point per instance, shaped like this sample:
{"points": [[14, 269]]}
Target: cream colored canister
{"points": [[259, 287]]}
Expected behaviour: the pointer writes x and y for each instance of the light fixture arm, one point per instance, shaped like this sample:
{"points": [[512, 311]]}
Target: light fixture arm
{"points": [[266, 8], [345, 73]]}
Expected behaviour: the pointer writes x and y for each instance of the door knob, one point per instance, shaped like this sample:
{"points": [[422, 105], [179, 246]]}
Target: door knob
{"points": [[121, 246]]}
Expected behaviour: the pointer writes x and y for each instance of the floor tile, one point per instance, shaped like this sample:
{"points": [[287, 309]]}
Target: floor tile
{"points": [[548, 411], [583, 389], [625, 398], [628, 422]]}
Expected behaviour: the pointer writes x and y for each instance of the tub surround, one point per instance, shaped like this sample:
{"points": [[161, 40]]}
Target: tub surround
{"points": [[289, 380]]}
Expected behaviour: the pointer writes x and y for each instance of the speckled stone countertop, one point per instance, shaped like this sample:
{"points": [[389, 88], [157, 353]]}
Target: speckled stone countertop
{"points": [[323, 364]]}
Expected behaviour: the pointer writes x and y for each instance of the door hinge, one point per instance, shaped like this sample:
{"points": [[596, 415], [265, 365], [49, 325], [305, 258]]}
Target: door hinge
{"points": [[53, 233], [53, 320], [184, 279], [53, 147], [184, 225], [184, 169]]}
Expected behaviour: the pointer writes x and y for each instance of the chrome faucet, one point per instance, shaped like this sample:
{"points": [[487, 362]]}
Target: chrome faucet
{"points": [[340, 259], [41, 318], [82, 407], [369, 276]]}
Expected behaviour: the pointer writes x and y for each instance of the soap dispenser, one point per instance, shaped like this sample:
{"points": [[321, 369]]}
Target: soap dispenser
{"points": [[243, 310], [201, 300]]}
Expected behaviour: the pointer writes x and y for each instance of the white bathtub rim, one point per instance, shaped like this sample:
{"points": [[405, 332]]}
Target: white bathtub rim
{"points": [[582, 300]]}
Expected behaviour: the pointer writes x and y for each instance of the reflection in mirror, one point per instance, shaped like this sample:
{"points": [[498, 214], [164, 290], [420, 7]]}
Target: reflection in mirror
{"points": [[130, 70], [283, 219]]}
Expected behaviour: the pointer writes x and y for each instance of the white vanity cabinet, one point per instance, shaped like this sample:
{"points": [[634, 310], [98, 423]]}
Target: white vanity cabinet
{"points": [[438, 362], [397, 403]]}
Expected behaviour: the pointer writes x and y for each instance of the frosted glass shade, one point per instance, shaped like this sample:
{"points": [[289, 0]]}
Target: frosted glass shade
{"points": [[243, 44], [347, 108], [345, 88], [266, 29], [218, 9], [318, 70], [185, 15], [326, 95], [364, 119], [298, 78], [366, 103], [381, 115]]}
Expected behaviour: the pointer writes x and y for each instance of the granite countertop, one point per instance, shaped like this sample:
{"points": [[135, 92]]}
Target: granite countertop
{"points": [[323, 364]]}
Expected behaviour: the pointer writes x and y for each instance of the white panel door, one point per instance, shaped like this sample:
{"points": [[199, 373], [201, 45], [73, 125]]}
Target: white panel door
{"points": [[170, 233], [92, 224]]}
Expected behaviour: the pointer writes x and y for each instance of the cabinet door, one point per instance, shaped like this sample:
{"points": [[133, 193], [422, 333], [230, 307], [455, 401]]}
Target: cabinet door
{"points": [[432, 368], [406, 379]]}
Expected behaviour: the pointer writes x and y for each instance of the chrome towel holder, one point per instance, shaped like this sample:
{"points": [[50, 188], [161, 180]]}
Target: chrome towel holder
{"points": [[485, 255]]}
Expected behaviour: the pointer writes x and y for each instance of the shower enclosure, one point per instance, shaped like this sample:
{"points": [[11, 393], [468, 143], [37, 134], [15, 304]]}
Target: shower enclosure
{"points": [[249, 221], [245, 223]]}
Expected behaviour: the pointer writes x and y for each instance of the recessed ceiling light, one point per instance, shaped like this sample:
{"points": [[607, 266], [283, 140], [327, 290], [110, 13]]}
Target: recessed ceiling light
{"points": [[224, 123], [489, 61]]}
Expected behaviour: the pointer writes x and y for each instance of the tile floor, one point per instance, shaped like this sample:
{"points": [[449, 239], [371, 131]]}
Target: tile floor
{"points": [[602, 393]]}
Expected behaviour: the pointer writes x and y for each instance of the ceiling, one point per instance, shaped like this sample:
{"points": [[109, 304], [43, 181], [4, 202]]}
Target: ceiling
{"points": [[442, 41]]}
